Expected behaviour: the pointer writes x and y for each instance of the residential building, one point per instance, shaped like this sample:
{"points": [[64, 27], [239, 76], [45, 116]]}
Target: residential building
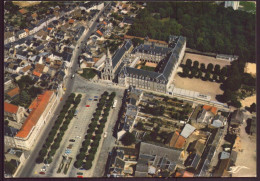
{"points": [[122, 161], [13, 112], [15, 154], [13, 92], [9, 133], [41, 109], [206, 114], [237, 118], [176, 141], [218, 121], [156, 158]]}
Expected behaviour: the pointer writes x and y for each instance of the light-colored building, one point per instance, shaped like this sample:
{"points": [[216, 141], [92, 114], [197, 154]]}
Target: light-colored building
{"points": [[41, 109], [167, 58], [233, 4]]}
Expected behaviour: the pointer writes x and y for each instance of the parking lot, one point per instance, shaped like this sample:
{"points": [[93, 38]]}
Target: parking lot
{"points": [[77, 131]]}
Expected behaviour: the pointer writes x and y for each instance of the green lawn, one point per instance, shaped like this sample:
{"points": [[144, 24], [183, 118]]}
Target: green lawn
{"points": [[88, 73], [147, 68]]}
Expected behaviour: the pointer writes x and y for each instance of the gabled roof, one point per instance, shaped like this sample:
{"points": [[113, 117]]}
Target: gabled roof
{"points": [[36, 73], [14, 92], [23, 11], [39, 105], [211, 109], [119, 54], [10, 108], [187, 130]]}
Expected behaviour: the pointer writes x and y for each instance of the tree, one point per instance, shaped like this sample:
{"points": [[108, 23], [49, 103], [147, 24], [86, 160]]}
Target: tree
{"points": [[217, 69], [9, 168], [235, 103], [88, 165], [128, 139], [193, 72], [39, 159], [185, 71], [25, 97], [188, 63], [199, 74], [223, 71], [78, 163], [252, 107], [207, 76], [43, 152], [215, 77], [140, 125], [202, 67], [81, 156], [210, 67], [91, 156], [196, 64], [222, 78]]}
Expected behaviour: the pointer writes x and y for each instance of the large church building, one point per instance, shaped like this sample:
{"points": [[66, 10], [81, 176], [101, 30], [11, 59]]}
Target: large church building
{"points": [[126, 68]]}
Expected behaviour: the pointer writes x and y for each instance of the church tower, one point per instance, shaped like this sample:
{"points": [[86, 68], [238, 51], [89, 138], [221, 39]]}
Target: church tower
{"points": [[107, 72]]}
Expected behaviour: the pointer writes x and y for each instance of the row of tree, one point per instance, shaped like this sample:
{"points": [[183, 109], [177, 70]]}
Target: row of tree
{"points": [[94, 132], [234, 31], [197, 69], [52, 142]]}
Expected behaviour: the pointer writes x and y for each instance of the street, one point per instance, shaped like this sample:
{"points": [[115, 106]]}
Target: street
{"points": [[29, 165]]}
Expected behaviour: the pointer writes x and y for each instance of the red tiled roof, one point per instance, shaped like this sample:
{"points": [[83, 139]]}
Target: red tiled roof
{"points": [[105, 23], [39, 67], [14, 92], [99, 32], [36, 73], [38, 108], [10, 108], [25, 69], [49, 28], [95, 59], [177, 141], [71, 21], [26, 30], [210, 108], [23, 11], [188, 174]]}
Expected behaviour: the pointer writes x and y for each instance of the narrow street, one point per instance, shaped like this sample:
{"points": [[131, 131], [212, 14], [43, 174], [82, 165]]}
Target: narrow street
{"points": [[27, 168]]}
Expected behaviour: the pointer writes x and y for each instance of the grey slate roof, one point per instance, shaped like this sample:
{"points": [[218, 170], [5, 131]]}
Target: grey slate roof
{"points": [[187, 130], [237, 117], [10, 131], [163, 74], [119, 54], [158, 156]]}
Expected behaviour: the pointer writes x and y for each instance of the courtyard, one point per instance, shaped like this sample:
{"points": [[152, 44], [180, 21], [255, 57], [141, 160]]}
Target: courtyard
{"points": [[204, 59], [204, 87]]}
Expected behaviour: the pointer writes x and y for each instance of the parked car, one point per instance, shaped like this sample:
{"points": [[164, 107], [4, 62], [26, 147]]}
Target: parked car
{"points": [[87, 105], [42, 173], [72, 140], [72, 76], [105, 134], [79, 176], [79, 173]]}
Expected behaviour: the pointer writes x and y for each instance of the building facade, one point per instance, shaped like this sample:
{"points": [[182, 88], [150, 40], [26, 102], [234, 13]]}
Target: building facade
{"points": [[168, 60], [41, 109], [233, 4]]}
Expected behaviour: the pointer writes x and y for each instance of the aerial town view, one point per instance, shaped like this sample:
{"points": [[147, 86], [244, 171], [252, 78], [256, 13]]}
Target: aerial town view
{"points": [[129, 89]]}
